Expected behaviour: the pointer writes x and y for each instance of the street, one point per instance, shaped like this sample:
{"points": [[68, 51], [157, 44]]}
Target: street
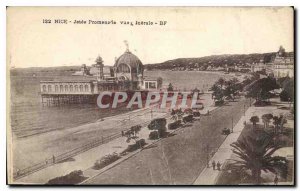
{"points": [[178, 159]]}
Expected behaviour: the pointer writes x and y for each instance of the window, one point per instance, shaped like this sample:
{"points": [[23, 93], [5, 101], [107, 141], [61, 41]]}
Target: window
{"points": [[61, 88], [81, 88], [66, 88], [49, 88], [76, 88], [152, 85], [86, 88], [56, 88], [146, 85], [44, 88], [71, 88], [123, 68]]}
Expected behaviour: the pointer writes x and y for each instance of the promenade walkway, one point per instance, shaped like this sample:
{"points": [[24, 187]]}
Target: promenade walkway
{"points": [[209, 176]]}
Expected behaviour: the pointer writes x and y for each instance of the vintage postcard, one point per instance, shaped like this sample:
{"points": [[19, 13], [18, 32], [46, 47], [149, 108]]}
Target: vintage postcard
{"points": [[150, 96]]}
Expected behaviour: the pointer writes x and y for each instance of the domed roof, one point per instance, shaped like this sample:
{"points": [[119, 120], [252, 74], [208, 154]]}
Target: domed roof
{"points": [[99, 59], [131, 60]]}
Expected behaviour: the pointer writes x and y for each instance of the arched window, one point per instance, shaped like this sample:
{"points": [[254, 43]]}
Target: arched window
{"points": [[86, 88], [123, 68], [76, 88], [61, 88], [49, 88], [71, 88], [56, 88], [81, 88], [44, 88], [66, 88]]}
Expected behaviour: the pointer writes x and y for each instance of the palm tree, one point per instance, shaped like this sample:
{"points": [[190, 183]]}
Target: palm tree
{"points": [[255, 154]]}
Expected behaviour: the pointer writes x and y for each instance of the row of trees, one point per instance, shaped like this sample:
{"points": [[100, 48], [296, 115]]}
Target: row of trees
{"points": [[278, 121], [225, 89], [261, 89]]}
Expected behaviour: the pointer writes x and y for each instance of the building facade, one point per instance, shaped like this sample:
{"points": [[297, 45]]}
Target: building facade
{"points": [[127, 74], [283, 64]]}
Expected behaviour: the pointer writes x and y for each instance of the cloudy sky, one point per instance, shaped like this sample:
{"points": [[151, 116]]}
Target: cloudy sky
{"points": [[189, 32]]}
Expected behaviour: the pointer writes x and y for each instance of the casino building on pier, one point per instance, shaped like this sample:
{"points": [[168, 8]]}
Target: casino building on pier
{"points": [[83, 86]]}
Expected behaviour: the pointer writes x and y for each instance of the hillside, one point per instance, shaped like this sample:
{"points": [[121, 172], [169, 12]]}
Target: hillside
{"points": [[213, 61]]}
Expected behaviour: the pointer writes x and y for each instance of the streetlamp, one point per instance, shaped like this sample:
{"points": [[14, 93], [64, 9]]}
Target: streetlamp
{"points": [[244, 110], [206, 150], [232, 124]]}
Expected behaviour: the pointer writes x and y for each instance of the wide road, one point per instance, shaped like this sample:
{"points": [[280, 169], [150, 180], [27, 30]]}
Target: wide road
{"points": [[178, 159]]}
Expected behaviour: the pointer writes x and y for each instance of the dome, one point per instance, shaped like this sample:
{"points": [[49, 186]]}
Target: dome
{"points": [[99, 59], [130, 60]]}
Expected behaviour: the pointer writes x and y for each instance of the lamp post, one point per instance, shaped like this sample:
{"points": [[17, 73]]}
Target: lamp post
{"points": [[206, 150], [232, 124], [244, 110]]}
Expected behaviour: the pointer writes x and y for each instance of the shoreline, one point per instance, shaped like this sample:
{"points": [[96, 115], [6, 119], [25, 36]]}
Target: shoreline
{"points": [[33, 149]]}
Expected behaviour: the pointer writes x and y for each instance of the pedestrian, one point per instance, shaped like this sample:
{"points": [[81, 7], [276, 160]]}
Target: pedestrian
{"points": [[53, 158], [46, 161], [214, 165], [207, 112], [218, 166], [122, 133], [276, 180]]}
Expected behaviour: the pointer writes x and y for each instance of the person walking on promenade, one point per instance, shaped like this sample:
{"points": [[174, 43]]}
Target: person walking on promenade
{"points": [[276, 180], [218, 166], [214, 165]]}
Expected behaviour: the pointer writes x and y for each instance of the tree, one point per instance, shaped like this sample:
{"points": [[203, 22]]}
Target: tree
{"points": [[255, 154], [254, 120], [132, 133], [260, 89], [170, 88], [221, 82], [158, 124], [266, 119], [287, 93], [231, 88], [218, 94], [278, 123]]}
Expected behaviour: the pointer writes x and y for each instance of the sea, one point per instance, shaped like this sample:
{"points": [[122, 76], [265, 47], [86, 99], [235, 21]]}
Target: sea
{"points": [[28, 117]]}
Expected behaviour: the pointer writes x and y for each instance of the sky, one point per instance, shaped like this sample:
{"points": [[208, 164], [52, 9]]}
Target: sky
{"points": [[189, 32]]}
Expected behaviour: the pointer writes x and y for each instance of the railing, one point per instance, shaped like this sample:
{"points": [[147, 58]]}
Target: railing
{"points": [[59, 158]]}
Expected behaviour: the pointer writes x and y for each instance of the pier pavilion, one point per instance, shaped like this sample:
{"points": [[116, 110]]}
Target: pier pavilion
{"points": [[127, 74]]}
